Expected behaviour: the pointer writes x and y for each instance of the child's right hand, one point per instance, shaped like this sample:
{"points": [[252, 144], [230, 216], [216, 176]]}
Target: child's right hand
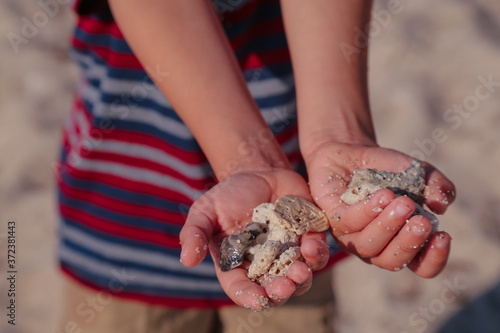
{"points": [[226, 209]]}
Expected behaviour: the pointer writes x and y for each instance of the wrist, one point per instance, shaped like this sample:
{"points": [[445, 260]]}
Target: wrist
{"points": [[342, 126], [258, 151]]}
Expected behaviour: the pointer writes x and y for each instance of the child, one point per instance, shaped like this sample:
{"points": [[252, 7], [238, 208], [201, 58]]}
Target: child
{"points": [[132, 166]]}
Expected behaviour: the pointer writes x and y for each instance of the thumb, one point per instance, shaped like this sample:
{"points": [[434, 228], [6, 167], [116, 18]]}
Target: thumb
{"points": [[440, 191], [196, 234]]}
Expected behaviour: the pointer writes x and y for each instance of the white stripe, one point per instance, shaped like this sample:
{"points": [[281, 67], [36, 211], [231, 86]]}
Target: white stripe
{"points": [[83, 123], [291, 145], [258, 88], [118, 252], [119, 109], [146, 175], [283, 115], [143, 151], [137, 277], [152, 154], [70, 129], [166, 124], [133, 173], [271, 87], [135, 114]]}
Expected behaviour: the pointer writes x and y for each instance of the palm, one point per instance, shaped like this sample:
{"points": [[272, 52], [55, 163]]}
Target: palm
{"points": [[333, 166], [357, 228], [226, 209], [234, 198]]}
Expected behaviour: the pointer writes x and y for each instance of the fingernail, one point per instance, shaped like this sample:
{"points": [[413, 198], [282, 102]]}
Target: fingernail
{"points": [[324, 243], [442, 242], [385, 200], [402, 209]]}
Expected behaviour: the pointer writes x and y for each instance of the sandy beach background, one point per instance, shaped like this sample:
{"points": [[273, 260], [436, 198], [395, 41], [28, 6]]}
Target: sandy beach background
{"points": [[430, 64]]}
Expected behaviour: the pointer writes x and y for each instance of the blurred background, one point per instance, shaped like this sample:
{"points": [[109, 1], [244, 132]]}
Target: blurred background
{"points": [[434, 73]]}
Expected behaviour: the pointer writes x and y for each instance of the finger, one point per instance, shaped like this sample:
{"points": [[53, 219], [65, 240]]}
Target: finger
{"points": [[405, 245], [238, 286], [301, 274], [242, 291], [353, 218], [279, 289], [194, 236], [372, 240], [440, 191], [432, 260], [314, 249]]}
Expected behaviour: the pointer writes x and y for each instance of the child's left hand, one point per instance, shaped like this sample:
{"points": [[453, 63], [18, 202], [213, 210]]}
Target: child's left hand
{"points": [[377, 230]]}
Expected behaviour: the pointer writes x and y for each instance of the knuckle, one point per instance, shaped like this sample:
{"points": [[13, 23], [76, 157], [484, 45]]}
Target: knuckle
{"points": [[365, 251], [409, 249]]}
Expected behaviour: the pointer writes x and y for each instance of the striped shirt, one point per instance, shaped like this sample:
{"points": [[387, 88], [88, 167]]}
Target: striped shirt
{"points": [[130, 168]]}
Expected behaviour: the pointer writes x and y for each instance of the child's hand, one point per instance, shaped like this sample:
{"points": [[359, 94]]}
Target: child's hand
{"points": [[228, 206], [376, 230]]}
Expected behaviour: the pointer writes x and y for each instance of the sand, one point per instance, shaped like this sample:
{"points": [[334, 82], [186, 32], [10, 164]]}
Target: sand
{"points": [[427, 59]]}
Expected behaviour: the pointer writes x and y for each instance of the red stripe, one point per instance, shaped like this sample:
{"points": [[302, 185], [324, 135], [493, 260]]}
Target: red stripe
{"points": [[92, 25], [193, 158], [195, 183], [149, 299], [123, 207], [76, 4], [128, 136], [240, 14], [112, 58], [265, 58], [80, 108], [120, 230], [337, 257], [287, 135], [128, 60], [130, 185]]}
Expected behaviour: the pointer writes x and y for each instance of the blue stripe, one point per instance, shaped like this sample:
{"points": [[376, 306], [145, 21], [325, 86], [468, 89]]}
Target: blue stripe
{"points": [[189, 145], [126, 100], [103, 40], [124, 195], [134, 287], [102, 258], [268, 72], [262, 44], [118, 218], [276, 100], [113, 72], [125, 242], [262, 13]]}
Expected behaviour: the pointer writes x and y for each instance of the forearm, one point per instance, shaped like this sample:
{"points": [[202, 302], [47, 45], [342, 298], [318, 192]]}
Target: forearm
{"points": [[332, 95], [204, 83]]}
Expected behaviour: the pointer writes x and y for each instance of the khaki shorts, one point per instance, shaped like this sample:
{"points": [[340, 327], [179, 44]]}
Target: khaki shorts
{"points": [[87, 311]]}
